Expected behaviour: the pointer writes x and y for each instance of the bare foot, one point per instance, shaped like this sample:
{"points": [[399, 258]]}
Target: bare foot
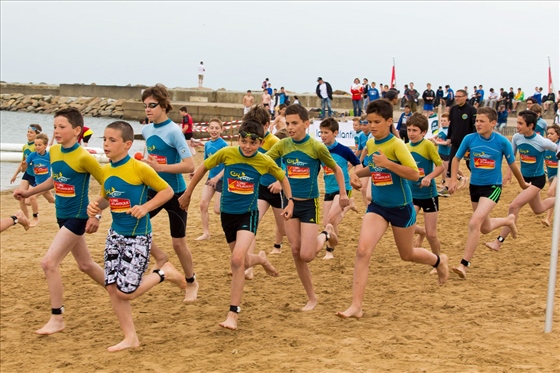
{"points": [[545, 222], [512, 226], [442, 269], [460, 271], [249, 275], [433, 271], [22, 219], [328, 255], [204, 236], [276, 251], [352, 312], [269, 268], [34, 222], [418, 240], [191, 292], [124, 345], [55, 325], [333, 240], [231, 321], [174, 276], [494, 245], [353, 205], [310, 305]]}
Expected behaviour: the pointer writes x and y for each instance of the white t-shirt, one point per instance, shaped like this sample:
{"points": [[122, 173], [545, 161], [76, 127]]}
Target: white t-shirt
{"points": [[323, 90], [201, 69]]}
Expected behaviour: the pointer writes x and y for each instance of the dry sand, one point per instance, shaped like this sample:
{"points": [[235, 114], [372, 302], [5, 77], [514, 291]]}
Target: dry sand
{"points": [[491, 322]]}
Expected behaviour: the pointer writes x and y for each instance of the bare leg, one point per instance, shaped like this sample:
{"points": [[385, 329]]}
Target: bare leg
{"points": [[123, 310], [160, 257], [403, 239], [48, 196], [35, 210], [185, 257], [207, 193], [367, 242], [298, 236], [64, 242]]}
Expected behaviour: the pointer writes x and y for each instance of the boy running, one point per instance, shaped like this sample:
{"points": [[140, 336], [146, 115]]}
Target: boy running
{"points": [[170, 157], [71, 167], [302, 156], [532, 149], [127, 250], [487, 148], [332, 213], [553, 134], [390, 165], [244, 166]]}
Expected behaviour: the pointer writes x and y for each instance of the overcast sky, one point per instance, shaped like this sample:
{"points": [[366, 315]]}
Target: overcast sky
{"points": [[497, 44]]}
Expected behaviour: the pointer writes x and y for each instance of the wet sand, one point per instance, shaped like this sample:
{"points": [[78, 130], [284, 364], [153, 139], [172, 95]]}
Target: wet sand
{"points": [[491, 322]]}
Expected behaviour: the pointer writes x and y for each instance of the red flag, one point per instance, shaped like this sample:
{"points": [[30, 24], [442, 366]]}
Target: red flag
{"points": [[550, 90], [394, 77]]}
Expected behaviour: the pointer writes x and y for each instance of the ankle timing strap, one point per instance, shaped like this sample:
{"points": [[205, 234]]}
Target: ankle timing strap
{"points": [[277, 245], [36, 215], [15, 219], [57, 311], [466, 263], [331, 249], [327, 236], [160, 273], [191, 280], [235, 309], [437, 261], [501, 239]]}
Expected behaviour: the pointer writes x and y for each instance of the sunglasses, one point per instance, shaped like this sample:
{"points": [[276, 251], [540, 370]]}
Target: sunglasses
{"points": [[252, 136], [151, 105]]}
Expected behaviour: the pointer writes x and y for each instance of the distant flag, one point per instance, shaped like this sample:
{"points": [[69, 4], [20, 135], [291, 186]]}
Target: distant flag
{"points": [[393, 76], [550, 89]]}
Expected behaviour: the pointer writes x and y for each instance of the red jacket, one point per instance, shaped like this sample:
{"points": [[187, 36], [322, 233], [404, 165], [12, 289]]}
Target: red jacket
{"points": [[357, 93]]}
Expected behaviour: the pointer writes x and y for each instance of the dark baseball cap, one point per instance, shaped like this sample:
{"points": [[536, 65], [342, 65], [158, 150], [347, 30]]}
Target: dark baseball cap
{"points": [[319, 78], [391, 94]]}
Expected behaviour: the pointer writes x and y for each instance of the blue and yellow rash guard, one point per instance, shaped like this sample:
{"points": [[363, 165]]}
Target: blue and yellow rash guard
{"points": [[210, 148], [387, 188], [267, 143], [167, 144], [26, 150], [41, 165], [71, 170], [426, 156], [486, 157], [125, 184], [241, 178], [551, 162], [342, 155], [302, 160], [531, 153]]}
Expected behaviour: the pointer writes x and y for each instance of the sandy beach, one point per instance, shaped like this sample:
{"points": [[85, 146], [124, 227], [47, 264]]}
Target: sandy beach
{"points": [[491, 322]]}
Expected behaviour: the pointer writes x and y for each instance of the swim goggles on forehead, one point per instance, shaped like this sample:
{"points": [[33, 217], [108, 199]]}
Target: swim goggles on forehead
{"points": [[253, 136], [363, 122], [33, 128]]}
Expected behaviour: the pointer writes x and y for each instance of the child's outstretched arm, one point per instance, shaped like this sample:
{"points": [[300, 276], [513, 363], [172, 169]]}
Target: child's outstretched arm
{"points": [[289, 210], [185, 199], [517, 173], [339, 175]]}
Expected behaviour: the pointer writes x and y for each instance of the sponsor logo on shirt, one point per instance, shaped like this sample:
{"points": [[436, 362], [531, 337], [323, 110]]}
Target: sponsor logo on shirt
{"points": [[328, 170], [115, 203], [297, 172], [61, 186]]}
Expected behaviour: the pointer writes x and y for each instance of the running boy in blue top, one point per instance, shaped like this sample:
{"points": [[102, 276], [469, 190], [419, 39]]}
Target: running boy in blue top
{"points": [[390, 166], [487, 149], [214, 182], [343, 155], [270, 190], [28, 178], [531, 147], [551, 162], [170, 157], [362, 153], [40, 162], [244, 166], [424, 191], [127, 249], [71, 166], [302, 156]]}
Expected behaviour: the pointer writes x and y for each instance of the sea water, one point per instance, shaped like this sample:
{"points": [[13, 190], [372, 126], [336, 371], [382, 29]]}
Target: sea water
{"points": [[13, 129]]}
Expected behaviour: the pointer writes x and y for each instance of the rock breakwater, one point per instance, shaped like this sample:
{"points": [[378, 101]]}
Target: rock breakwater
{"points": [[47, 104]]}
